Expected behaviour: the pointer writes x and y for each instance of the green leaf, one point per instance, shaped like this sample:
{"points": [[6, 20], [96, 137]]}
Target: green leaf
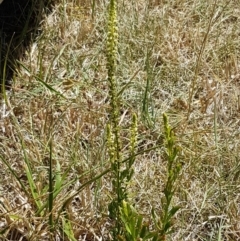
{"points": [[67, 228], [139, 225], [173, 211]]}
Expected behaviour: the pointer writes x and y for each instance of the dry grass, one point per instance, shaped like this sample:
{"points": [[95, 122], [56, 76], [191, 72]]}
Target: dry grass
{"points": [[160, 43]]}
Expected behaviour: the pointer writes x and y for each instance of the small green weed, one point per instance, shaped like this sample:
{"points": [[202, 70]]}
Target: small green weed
{"points": [[135, 228]]}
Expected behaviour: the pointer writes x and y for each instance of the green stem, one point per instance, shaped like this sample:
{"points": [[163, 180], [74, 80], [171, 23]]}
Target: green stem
{"points": [[50, 197]]}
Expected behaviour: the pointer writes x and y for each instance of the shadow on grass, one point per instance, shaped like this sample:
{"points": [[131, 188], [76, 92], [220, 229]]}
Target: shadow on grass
{"points": [[19, 24]]}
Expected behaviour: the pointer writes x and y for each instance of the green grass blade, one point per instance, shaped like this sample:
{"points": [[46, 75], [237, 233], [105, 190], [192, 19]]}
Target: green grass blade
{"points": [[50, 191]]}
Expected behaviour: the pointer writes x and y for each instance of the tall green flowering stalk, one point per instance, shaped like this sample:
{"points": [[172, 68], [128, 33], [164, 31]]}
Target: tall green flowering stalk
{"points": [[121, 174], [113, 132], [112, 42]]}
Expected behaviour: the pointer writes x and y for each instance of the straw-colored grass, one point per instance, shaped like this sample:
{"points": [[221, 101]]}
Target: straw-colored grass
{"points": [[175, 57]]}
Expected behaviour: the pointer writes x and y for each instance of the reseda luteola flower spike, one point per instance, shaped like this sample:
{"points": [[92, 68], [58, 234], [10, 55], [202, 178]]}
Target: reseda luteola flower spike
{"points": [[112, 43]]}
